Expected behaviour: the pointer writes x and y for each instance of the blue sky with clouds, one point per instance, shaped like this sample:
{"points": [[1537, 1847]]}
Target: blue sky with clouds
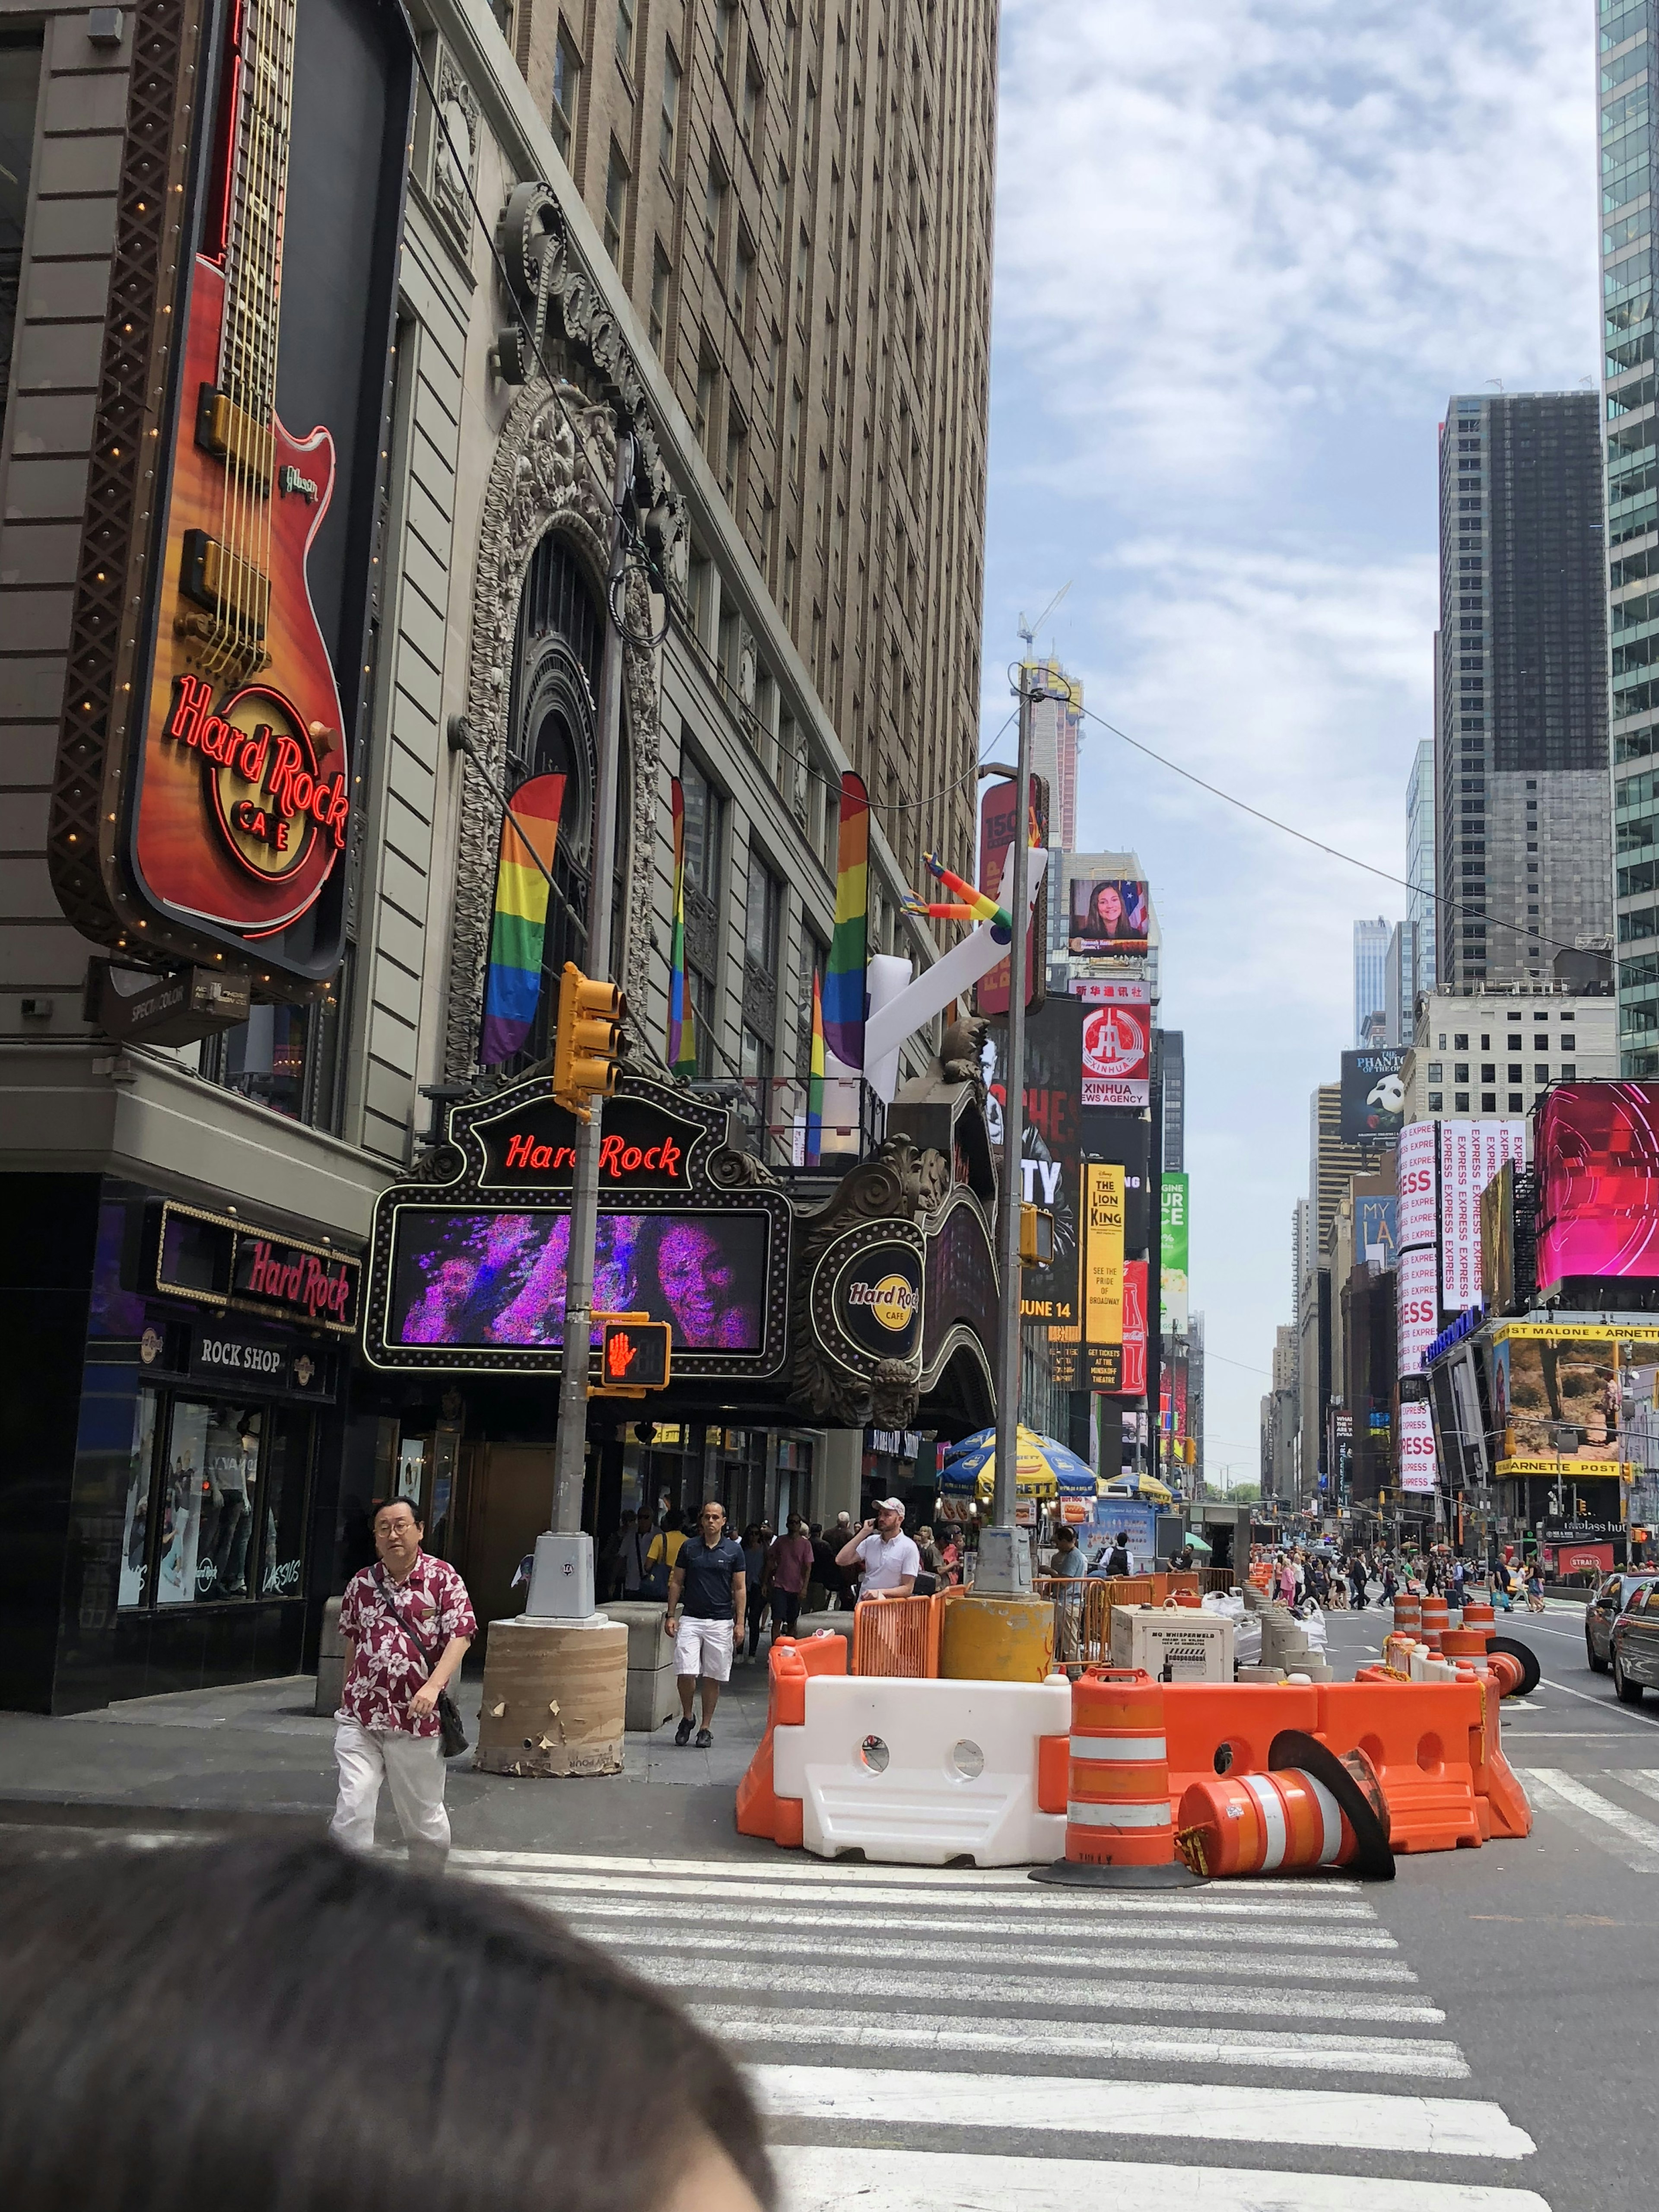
{"points": [[1243, 254]]}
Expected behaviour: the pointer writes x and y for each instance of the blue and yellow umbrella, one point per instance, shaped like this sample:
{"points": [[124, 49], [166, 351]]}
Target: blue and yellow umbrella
{"points": [[1043, 1469]]}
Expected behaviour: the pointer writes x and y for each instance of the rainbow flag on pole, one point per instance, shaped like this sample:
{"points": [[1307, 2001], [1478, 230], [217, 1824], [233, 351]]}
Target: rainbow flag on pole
{"points": [[682, 1024], [512, 989], [844, 986], [815, 1079]]}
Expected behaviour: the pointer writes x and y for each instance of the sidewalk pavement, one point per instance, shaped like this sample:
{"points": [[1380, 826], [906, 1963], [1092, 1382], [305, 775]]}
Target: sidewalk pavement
{"points": [[257, 1754]]}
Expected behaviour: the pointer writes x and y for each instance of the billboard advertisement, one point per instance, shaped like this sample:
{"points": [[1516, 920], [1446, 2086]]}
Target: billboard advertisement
{"points": [[1050, 1147], [1373, 1095], [1117, 1052], [1471, 1153], [1133, 1379], [1417, 1306], [1375, 1227], [1125, 1139], [1598, 1180], [1416, 1461], [1109, 917], [1172, 1253], [1554, 1400], [996, 834], [1416, 1183], [479, 1279], [1102, 1257]]}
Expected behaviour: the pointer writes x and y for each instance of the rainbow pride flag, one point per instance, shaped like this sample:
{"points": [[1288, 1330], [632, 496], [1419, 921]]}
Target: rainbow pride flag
{"points": [[681, 1022], [815, 1079], [844, 986], [512, 989]]}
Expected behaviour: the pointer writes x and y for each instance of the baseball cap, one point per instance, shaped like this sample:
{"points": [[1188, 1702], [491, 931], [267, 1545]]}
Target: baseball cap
{"points": [[890, 1505]]}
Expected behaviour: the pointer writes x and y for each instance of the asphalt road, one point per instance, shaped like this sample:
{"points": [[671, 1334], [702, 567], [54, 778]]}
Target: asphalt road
{"points": [[1544, 1955]]}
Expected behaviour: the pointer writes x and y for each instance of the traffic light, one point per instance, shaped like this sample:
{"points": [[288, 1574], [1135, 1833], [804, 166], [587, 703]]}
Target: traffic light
{"points": [[1037, 1236], [634, 1356], [586, 1039]]}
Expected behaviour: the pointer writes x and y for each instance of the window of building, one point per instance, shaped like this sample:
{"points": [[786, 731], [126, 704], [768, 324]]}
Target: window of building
{"points": [[668, 125], [1540, 1073], [1460, 1101], [763, 918], [708, 387], [566, 82], [788, 581], [215, 1511], [736, 440], [1460, 1072], [1513, 1044], [751, 102], [626, 10], [1569, 1043], [743, 275], [1460, 1043], [1435, 1098], [1489, 1101], [1434, 1071], [616, 204], [658, 298], [1517, 1102], [1569, 1072], [724, 14], [803, 256], [700, 590], [714, 210]]}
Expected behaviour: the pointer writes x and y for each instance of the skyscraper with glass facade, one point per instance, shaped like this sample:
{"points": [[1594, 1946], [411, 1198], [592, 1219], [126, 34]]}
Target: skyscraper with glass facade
{"points": [[1370, 960], [1627, 36], [1525, 866], [1419, 858]]}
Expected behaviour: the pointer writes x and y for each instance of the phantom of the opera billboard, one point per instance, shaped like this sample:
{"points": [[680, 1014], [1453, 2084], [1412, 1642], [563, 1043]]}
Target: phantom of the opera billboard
{"points": [[207, 790], [849, 1310]]}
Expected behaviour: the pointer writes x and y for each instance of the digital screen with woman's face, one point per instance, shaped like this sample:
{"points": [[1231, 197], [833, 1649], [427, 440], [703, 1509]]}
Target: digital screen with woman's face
{"points": [[496, 1279], [1113, 911]]}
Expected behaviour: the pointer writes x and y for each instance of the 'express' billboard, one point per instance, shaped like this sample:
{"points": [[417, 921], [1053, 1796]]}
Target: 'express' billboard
{"points": [[1415, 1180], [1471, 1153]]}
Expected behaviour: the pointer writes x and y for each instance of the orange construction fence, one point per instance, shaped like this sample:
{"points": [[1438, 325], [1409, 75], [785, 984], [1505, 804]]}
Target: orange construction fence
{"points": [[898, 1636]]}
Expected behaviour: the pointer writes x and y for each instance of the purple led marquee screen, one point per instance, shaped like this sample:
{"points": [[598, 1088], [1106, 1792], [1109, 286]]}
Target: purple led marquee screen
{"points": [[494, 1279]]}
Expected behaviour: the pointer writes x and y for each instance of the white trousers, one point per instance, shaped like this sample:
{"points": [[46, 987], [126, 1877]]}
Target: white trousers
{"points": [[413, 1767]]}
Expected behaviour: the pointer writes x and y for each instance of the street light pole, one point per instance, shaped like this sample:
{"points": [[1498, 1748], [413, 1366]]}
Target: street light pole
{"points": [[1006, 1560], [552, 1573]]}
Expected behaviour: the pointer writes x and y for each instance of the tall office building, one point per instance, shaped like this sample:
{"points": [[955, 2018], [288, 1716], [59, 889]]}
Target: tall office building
{"points": [[1628, 269], [1525, 865], [1402, 979], [1371, 952], [1420, 853], [1173, 1063], [799, 208], [1056, 721]]}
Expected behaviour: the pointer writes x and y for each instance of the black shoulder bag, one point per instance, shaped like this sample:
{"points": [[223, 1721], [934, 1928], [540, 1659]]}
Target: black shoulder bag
{"points": [[453, 1738]]}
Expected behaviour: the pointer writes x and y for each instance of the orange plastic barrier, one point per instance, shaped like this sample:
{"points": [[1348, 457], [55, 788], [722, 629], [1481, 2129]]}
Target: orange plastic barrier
{"points": [[1117, 1807], [1425, 1740], [898, 1636], [1227, 1728], [1499, 1800], [760, 1812]]}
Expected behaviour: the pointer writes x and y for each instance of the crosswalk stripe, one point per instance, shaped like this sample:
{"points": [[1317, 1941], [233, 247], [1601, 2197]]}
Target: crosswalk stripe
{"points": [[829, 2178], [994, 1932], [1645, 1778], [1446, 2126], [733, 1959], [1597, 1818], [865, 2030], [1187, 1912], [1328, 1892]]}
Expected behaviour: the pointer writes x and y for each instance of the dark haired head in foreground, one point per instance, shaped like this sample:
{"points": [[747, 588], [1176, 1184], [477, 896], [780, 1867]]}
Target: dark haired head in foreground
{"points": [[278, 2028]]}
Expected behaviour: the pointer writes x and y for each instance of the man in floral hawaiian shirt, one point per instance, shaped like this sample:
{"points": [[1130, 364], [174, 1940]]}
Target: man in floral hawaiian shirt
{"points": [[406, 1622]]}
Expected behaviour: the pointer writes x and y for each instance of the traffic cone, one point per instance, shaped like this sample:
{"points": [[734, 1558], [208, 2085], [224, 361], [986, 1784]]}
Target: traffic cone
{"points": [[1311, 1809], [1120, 1831]]}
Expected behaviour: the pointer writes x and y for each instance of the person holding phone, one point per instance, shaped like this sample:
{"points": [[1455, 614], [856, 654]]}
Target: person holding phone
{"points": [[890, 1559]]}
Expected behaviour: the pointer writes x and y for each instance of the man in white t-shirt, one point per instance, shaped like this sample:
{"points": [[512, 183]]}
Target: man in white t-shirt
{"points": [[890, 1560]]}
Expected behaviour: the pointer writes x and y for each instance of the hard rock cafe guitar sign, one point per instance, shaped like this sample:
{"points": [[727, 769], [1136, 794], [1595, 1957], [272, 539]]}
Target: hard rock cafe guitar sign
{"points": [[232, 779], [245, 798]]}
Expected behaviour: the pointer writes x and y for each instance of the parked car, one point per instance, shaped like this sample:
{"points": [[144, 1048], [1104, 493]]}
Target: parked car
{"points": [[1635, 1641], [1616, 1596]]}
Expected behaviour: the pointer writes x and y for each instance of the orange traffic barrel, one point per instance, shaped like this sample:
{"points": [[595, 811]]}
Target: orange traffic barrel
{"points": [[1408, 1613], [1120, 1831], [1465, 1643], [1480, 1613], [1311, 1809], [1437, 1619]]}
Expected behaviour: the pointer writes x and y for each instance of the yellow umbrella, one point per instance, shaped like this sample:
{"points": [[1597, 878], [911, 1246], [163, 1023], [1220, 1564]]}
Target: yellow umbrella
{"points": [[1146, 1486]]}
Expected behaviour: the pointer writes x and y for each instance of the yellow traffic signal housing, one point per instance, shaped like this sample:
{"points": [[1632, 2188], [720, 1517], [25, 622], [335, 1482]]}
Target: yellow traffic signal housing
{"points": [[1037, 1236], [636, 1356], [586, 1039]]}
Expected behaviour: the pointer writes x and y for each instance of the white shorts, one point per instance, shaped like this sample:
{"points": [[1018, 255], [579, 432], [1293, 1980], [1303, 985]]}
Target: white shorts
{"points": [[703, 1647]]}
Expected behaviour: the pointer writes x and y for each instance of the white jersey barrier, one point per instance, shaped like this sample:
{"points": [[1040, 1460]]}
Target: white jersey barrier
{"points": [[915, 1773]]}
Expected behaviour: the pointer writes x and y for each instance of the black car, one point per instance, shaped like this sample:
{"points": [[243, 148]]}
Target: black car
{"points": [[1636, 1646], [1617, 1594]]}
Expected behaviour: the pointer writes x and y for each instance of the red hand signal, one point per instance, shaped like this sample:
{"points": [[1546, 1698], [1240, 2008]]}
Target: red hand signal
{"points": [[620, 1352]]}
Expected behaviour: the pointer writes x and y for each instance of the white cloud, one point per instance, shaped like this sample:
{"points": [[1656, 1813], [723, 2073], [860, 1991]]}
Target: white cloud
{"points": [[1244, 253]]}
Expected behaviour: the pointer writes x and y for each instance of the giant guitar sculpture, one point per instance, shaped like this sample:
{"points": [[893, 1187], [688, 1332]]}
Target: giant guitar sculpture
{"points": [[245, 796]]}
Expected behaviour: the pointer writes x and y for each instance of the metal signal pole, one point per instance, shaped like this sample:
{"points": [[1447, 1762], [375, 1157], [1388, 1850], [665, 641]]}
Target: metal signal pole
{"points": [[1007, 1544], [570, 1459]]}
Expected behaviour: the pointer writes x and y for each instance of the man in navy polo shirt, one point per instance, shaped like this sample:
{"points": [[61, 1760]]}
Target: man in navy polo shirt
{"points": [[706, 1605]]}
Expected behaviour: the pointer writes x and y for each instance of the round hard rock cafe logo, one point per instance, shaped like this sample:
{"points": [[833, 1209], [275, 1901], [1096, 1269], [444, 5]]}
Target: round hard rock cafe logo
{"points": [[271, 800], [892, 1301]]}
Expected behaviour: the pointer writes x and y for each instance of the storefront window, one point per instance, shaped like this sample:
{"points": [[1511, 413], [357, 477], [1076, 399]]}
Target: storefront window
{"points": [[135, 1532], [222, 1515], [281, 1557]]}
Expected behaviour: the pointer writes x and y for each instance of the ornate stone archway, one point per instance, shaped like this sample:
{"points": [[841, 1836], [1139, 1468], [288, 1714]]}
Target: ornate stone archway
{"points": [[553, 461]]}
